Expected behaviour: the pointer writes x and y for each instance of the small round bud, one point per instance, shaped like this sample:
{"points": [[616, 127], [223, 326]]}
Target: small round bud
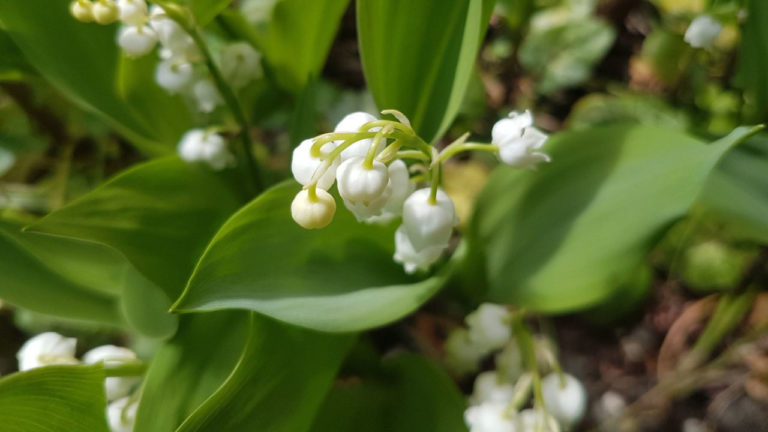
{"points": [[358, 183], [105, 11], [173, 75], [137, 41], [82, 10], [313, 212], [566, 399], [133, 12], [121, 415], [46, 349], [116, 387]]}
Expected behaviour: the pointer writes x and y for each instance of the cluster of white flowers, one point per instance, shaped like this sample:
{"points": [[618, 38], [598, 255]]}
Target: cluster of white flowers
{"points": [[703, 31], [51, 348]]}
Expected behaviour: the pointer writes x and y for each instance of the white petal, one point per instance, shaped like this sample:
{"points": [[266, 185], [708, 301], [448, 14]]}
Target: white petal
{"points": [[304, 167], [357, 183], [566, 401], [415, 259], [489, 326], [121, 415], [511, 127], [428, 224], [46, 349]]}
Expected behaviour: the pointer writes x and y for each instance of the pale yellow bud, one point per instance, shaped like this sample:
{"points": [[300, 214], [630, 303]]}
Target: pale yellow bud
{"points": [[313, 212], [105, 11], [82, 10]]}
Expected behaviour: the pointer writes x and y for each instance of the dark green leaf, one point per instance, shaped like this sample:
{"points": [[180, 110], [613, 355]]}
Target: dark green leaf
{"points": [[753, 57], [418, 56], [564, 237], [54, 399], [340, 278], [280, 381]]}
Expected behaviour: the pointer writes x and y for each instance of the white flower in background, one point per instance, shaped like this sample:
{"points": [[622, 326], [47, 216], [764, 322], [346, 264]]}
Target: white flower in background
{"points": [[518, 141], [535, 420], [510, 362], [313, 213], [703, 31], [46, 349], [133, 12], [82, 10], [240, 64], [206, 95], [304, 166], [175, 40], [116, 387], [105, 11], [198, 145], [461, 355], [489, 387], [414, 259], [360, 185], [566, 400], [609, 408], [137, 41], [352, 123], [400, 187], [490, 417], [489, 326], [121, 415], [257, 11], [173, 75], [428, 224]]}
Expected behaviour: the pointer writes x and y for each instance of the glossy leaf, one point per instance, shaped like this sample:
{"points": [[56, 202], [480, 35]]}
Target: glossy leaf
{"points": [[339, 278], [159, 214], [189, 368], [411, 395], [54, 399], [562, 238], [418, 56], [145, 307], [753, 57], [279, 383]]}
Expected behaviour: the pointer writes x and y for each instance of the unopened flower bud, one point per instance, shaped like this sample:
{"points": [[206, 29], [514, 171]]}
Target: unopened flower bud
{"points": [[105, 11], [133, 12], [313, 212], [173, 75], [566, 399], [306, 167], [82, 10], [137, 41], [358, 183], [46, 349], [489, 326], [116, 387], [121, 415]]}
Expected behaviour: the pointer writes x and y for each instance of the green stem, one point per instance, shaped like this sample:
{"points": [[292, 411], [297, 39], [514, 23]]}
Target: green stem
{"points": [[435, 173], [528, 351], [451, 151], [391, 152], [323, 139], [371, 155], [412, 154]]}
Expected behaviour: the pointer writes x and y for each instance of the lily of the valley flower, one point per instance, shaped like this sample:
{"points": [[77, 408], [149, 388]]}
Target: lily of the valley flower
{"points": [[566, 399], [198, 145], [82, 10], [703, 31], [490, 387], [116, 387], [461, 355], [174, 75], [137, 41], [305, 167], [414, 259], [352, 123], [206, 95], [133, 12], [121, 415], [172, 37], [46, 349], [105, 11], [489, 326], [518, 141], [490, 417], [240, 64], [400, 187], [536, 420], [363, 186], [313, 212], [425, 231]]}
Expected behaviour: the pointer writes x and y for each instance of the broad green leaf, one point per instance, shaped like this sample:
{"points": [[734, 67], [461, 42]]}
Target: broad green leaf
{"points": [[340, 278], [623, 107], [62, 277], [279, 383], [418, 56], [410, 395], [189, 368], [82, 61], [737, 192], [206, 10], [753, 57], [159, 214], [54, 399], [13, 65], [562, 238], [145, 307]]}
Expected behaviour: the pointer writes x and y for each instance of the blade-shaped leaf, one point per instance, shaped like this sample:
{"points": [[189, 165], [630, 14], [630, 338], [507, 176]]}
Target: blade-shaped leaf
{"points": [[418, 56], [753, 60], [54, 399], [340, 278], [279, 383], [562, 238]]}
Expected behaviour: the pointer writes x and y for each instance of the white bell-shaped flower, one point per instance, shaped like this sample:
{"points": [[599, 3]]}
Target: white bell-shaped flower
{"points": [[510, 361], [367, 211], [174, 39], [518, 141], [313, 213], [240, 64], [352, 123], [535, 420], [136, 41], [428, 224], [490, 417], [46, 349], [206, 95], [489, 326], [306, 167], [566, 399], [133, 12], [400, 187], [116, 387], [173, 74], [121, 415], [82, 10], [489, 387], [359, 184], [105, 11], [461, 355], [414, 259], [198, 145], [703, 31]]}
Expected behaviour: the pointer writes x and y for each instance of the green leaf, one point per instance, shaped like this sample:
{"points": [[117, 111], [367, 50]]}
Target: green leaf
{"points": [[54, 399], [753, 60], [737, 192], [159, 214], [279, 383], [189, 368], [82, 61], [206, 10], [145, 307], [564, 237], [411, 395], [564, 56], [418, 56], [340, 278]]}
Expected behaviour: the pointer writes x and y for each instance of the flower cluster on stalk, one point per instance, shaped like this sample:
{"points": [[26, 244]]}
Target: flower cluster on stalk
{"points": [[366, 158]]}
